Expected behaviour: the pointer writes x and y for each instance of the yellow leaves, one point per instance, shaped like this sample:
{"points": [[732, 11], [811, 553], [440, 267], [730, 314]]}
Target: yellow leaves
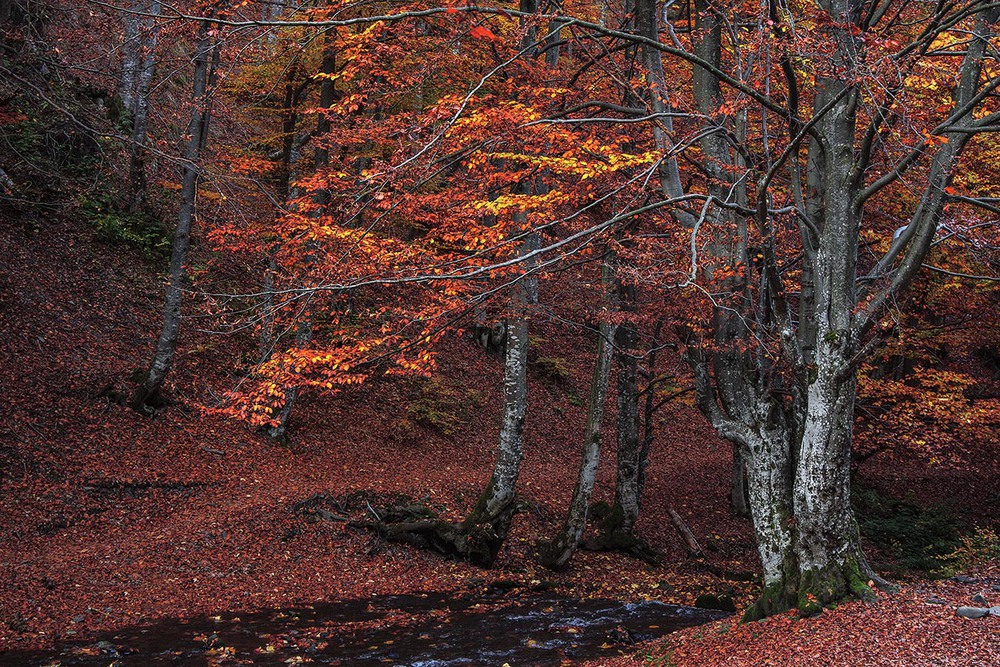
{"points": [[514, 203]]}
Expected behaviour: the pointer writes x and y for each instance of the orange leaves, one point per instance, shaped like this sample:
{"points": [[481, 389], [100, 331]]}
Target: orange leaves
{"points": [[933, 139]]}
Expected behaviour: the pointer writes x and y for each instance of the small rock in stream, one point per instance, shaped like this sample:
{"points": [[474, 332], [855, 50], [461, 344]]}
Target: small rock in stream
{"points": [[621, 635], [980, 600]]}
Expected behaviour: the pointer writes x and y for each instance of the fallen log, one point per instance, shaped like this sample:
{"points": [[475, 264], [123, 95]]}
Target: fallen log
{"points": [[694, 549]]}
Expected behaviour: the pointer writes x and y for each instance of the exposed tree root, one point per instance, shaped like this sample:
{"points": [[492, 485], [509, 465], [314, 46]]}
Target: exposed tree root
{"points": [[614, 535], [477, 539]]}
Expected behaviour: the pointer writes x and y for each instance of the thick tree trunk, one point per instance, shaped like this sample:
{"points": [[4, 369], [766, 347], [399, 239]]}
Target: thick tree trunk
{"points": [[769, 485], [147, 398], [738, 502], [557, 553]]}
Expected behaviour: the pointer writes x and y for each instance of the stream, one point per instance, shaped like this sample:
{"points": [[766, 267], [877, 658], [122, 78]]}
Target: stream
{"points": [[423, 630]]}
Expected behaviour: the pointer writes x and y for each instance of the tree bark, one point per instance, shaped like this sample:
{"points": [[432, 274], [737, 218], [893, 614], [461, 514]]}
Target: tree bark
{"points": [[625, 509], [131, 57], [140, 110], [738, 501], [557, 553], [617, 529], [648, 26], [148, 398], [487, 525]]}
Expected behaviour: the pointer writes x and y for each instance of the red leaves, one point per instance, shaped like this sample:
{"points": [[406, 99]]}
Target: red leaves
{"points": [[482, 32]]}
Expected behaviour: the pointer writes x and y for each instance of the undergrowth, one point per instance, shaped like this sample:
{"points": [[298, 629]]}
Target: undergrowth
{"points": [[908, 537]]}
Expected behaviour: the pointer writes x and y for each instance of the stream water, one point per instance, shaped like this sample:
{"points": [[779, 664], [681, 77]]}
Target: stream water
{"points": [[426, 630]]}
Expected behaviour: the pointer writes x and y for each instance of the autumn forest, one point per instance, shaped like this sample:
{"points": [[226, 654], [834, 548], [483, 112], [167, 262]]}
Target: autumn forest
{"points": [[567, 332]]}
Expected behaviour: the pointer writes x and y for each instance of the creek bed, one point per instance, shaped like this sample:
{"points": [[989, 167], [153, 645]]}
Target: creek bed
{"points": [[422, 630]]}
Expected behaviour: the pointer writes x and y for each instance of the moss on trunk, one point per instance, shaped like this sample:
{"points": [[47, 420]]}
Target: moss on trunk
{"points": [[812, 590]]}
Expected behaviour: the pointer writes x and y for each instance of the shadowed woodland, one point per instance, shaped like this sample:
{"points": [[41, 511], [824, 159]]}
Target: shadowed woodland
{"points": [[682, 302]]}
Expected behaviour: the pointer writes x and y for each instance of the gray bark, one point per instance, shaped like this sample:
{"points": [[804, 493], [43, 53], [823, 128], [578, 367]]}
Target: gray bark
{"points": [[489, 522], [147, 398], [140, 109], [131, 57], [558, 553], [625, 510], [795, 433], [738, 501], [647, 25]]}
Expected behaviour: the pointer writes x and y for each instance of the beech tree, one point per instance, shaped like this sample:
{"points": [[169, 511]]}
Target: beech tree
{"points": [[790, 407], [138, 67], [775, 137]]}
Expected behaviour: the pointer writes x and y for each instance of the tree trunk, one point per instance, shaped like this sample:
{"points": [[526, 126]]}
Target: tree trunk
{"points": [[557, 553], [131, 57], [487, 525], [617, 529], [147, 398], [140, 112], [278, 431], [625, 510], [738, 502], [304, 332]]}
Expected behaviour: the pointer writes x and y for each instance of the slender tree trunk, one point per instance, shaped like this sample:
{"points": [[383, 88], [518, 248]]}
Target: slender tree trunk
{"points": [[617, 529], [206, 114], [552, 38], [131, 57], [650, 406], [557, 553], [140, 115], [487, 525], [625, 510], [148, 397], [304, 330], [278, 431], [648, 26]]}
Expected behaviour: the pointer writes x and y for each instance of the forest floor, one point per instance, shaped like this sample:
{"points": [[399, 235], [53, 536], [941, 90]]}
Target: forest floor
{"points": [[110, 518]]}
